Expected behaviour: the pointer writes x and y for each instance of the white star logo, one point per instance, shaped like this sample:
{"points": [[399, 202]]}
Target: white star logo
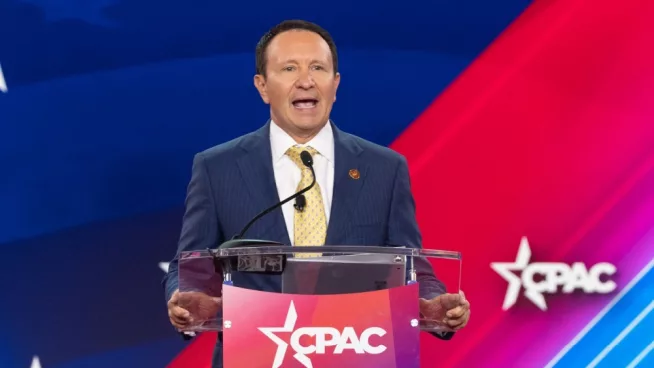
{"points": [[164, 266], [289, 325], [3, 84], [515, 282]]}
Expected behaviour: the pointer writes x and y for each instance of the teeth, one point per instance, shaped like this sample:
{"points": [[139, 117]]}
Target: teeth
{"points": [[304, 104]]}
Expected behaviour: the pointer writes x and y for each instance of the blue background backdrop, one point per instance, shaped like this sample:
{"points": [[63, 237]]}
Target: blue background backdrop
{"points": [[108, 101]]}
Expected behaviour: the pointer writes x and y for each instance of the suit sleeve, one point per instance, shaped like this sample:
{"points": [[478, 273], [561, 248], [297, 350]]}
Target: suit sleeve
{"points": [[403, 230], [200, 222]]}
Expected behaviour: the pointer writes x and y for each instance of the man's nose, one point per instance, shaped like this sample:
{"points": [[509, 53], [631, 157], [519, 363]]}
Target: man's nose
{"points": [[305, 80]]}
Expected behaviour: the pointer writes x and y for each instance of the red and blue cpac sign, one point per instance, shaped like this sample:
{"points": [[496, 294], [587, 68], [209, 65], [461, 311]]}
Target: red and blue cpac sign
{"points": [[367, 330]]}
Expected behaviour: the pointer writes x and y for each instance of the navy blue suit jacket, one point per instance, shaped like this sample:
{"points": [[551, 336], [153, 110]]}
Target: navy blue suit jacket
{"points": [[234, 181]]}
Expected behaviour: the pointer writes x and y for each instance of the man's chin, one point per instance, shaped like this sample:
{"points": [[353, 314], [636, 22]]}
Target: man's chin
{"points": [[309, 125]]}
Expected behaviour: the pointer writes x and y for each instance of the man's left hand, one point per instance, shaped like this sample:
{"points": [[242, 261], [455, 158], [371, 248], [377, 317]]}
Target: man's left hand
{"points": [[453, 310]]}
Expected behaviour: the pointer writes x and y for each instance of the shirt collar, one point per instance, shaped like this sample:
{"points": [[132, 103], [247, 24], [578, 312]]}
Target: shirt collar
{"points": [[323, 142]]}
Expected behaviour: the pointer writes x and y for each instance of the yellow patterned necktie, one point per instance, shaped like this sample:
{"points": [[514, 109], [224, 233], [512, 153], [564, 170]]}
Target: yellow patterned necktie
{"points": [[310, 225]]}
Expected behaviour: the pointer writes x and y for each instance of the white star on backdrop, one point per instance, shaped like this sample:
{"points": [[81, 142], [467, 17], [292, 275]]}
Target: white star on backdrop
{"points": [[3, 84], [36, 363], [515, 282]]}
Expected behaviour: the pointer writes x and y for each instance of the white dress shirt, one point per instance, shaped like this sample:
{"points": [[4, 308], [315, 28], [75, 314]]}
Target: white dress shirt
{"points": [[287, 174]]}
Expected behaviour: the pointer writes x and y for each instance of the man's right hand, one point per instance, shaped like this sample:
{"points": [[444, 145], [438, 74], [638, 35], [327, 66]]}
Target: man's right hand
{"points": [[187, 308], [179, 317]]}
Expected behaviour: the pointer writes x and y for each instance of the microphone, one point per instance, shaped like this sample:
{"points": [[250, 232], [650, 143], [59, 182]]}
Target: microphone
{"points": [[300, 203], [238, 240]]}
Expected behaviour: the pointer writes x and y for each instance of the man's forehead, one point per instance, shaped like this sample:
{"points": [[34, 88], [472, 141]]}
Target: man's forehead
{"points": [[299, 43]]}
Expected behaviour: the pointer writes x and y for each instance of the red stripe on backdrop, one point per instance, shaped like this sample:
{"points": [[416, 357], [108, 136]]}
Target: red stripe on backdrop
{"points": [[197, 354], [542, 136]]}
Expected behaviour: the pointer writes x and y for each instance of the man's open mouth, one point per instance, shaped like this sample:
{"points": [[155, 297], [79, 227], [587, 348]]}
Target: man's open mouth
{"points": [[305, 103]]}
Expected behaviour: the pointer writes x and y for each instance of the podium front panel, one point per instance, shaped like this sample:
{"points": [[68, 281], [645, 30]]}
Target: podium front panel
{"points": [[367, 330]]}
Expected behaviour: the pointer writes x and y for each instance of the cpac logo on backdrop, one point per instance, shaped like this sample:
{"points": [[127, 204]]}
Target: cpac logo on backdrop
{"points": [[570, 277], [341, 341]]}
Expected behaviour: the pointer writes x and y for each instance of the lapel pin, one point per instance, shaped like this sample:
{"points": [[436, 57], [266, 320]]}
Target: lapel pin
{"points": [[354, 174]]}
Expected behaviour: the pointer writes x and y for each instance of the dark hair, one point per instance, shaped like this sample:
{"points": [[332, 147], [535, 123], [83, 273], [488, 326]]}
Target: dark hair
{"points": [[288, 25]]}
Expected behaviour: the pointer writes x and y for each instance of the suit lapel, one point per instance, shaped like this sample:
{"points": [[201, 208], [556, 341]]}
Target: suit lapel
{"points": [[346, 187], [257, 172]]}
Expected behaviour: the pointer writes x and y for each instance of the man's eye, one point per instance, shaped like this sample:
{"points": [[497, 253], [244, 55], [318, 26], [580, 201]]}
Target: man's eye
{"points": [[318, 67], [289, 69]]}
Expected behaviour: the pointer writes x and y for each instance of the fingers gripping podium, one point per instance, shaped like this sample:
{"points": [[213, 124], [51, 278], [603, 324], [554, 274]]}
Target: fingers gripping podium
{"points": [[351, 306]]}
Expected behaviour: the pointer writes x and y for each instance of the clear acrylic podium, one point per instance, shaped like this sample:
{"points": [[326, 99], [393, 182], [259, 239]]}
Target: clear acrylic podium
{"points": [[330, 305]]}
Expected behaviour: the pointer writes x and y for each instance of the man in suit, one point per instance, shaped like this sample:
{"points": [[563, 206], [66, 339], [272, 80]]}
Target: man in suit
{"points": [[362, 195]]}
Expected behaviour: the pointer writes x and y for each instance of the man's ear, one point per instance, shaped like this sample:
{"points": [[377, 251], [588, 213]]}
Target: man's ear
{"points": [[337, 82], [260, 84]]}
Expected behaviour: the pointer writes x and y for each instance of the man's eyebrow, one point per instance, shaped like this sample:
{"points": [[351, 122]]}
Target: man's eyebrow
{"points": [[313, 61]]}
